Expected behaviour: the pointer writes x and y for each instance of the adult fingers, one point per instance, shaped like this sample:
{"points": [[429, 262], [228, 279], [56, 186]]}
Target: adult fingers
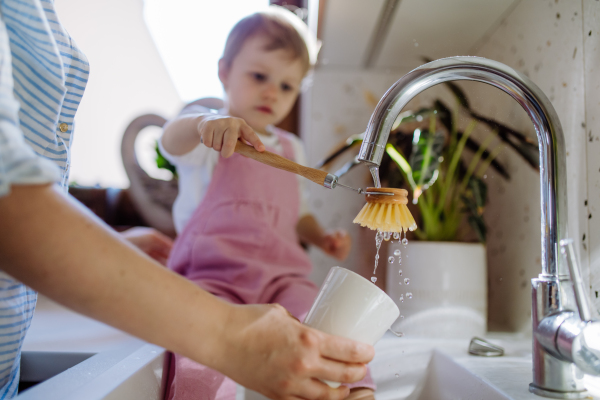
{"points": [[316, 389], [346, 350], [336, 371]]}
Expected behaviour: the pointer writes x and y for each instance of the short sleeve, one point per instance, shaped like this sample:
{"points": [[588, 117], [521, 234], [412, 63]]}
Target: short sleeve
{"points": [[19, 164]]}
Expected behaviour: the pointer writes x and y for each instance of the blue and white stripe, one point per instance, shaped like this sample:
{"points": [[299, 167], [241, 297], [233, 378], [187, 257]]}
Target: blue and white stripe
{"points": [[42, 78]]}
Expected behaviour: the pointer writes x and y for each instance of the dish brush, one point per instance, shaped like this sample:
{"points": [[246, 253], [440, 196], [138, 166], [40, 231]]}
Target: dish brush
{"points": [[386, 211]]}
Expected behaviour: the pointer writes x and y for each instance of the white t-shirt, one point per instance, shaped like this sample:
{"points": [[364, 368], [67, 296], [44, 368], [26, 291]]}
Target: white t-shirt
{"points": [[195, 170]]}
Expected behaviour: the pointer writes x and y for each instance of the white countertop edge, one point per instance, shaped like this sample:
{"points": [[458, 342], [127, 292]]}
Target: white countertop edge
{"points": [[132, 372]]}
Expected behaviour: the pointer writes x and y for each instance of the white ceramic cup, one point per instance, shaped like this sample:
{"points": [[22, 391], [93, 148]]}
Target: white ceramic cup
{"points": [[350, 306]]}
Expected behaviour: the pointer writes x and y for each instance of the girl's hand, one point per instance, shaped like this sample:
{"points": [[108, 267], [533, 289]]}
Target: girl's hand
{"points": [[221, 132], [337, 244], [150, 241], [267, 351]]}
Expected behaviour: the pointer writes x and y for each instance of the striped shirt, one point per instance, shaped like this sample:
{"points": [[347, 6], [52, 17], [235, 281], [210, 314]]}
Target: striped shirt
{"points": [[42, 78]]}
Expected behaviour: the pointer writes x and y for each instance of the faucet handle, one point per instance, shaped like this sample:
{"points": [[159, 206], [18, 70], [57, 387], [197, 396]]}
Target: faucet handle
{"points": [[583, 305], [567, 336]]}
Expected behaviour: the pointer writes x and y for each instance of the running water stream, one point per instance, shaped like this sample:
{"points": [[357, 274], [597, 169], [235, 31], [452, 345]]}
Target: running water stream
{"points": [[379, 237], [378, 241], [375, 174]]}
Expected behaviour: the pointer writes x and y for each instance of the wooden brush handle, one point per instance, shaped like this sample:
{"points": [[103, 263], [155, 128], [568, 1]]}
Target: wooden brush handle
{"points": [[276, 161]]}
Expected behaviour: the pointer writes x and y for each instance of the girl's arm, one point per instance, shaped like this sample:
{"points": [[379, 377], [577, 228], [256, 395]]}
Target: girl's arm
{"points": [[56, 246], [221, 132], [336, 243]]}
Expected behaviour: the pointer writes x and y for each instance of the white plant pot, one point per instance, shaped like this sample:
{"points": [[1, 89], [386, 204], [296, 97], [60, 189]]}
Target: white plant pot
{"points": [[448, 283]]}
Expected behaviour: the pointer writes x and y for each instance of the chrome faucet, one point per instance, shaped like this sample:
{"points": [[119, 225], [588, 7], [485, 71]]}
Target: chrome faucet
{"points": [[563, 333]]}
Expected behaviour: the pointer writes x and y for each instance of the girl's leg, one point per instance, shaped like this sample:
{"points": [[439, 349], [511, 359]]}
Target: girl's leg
{"points": [[294, 293], [189, 380]]}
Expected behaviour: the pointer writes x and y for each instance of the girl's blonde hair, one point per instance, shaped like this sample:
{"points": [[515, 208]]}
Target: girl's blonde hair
{"points": [[282, 28]]}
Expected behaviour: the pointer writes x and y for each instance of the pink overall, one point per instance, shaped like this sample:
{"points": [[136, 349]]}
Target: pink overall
{"points": [[241, 245]]}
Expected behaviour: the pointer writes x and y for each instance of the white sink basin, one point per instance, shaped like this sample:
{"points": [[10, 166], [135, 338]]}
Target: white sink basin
{"points": [[126, 368], [423, 369], [436, 369]]}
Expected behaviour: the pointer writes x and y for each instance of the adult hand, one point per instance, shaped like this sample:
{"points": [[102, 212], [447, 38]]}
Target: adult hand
{"points": [[221, 132], [150, 241], [361, 394], [337, 243], [265, 350]]}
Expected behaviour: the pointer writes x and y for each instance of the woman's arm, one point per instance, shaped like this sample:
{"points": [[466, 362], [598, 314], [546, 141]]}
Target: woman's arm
{"points": [[59, 248]]}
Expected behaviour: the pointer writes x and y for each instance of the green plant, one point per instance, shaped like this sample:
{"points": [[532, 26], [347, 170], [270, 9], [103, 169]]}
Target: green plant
{"points": [[443, 191], [162, 162], [450, 191]]}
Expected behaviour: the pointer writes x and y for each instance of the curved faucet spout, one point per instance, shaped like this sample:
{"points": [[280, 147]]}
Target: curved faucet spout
{"points": [[558, 332], [527, 94]]}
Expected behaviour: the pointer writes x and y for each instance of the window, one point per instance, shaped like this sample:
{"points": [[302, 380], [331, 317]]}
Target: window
{"points": [[190, 36]]}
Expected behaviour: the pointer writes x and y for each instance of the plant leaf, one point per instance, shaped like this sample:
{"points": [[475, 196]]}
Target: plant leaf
{"points": [[347, 167], [479, 192], [348, 144], [162, 162], [425, 156], [402, 165], [478, 225], [459, 94], [473, 145], [444, 114], [524, 146]]}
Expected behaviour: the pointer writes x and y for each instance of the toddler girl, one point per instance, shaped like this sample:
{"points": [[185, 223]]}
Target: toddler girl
{"points": [[240, 221]]}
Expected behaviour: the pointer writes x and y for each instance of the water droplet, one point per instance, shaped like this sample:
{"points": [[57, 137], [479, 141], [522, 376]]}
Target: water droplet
{"points": [[399, 334], [397, 252], [402, 298], [373, 279], [397, 375], [396, 235], [387, 236], [391, 260], [405, 241], [406, 281], [400, 272], [378, 238], [377, 256], [409, 295], [402, 317]]}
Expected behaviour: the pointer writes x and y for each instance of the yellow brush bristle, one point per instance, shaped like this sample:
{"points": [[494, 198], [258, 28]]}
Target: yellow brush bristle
{"points": [[386, 213]]}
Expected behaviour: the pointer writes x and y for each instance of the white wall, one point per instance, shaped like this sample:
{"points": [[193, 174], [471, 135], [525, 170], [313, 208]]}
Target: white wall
{"points": [[127, 79], [591, 57], [545, 40]]}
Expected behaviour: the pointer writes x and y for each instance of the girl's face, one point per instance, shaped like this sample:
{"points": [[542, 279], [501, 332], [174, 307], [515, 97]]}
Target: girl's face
{"points": [[261, 85]]}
